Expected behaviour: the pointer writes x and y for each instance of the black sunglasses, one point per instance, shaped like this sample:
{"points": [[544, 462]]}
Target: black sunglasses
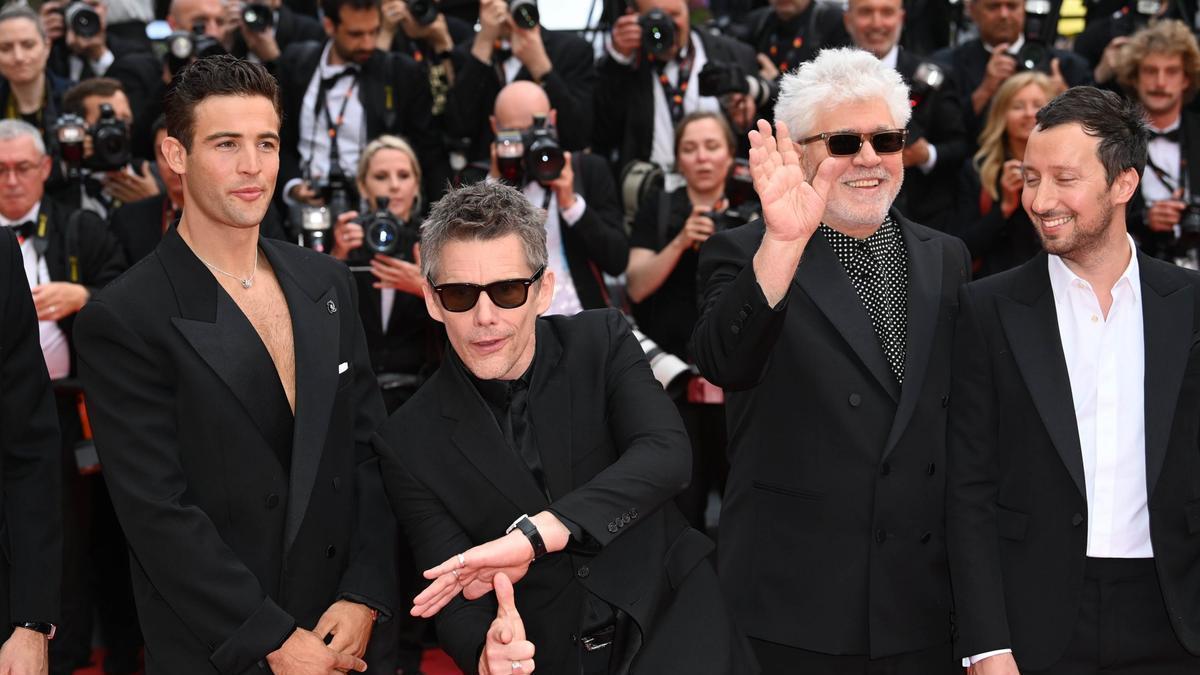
{"points": [[505, 294], [848, 143]]}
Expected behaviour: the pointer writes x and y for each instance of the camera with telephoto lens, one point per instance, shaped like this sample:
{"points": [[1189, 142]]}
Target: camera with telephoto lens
{"points": [[1189, 222], [385, 234], [532, 154], [81, 18], [424, 12], [1039, 35], [183, 46], [658, 35], [257, 17], [721, 78], [70, 130], [671, 371], [525, 13], [1134, 16]]}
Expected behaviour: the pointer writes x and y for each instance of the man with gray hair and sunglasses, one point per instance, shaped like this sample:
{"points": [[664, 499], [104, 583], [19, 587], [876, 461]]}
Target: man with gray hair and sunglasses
{"points": [[829, 325], [545, 439]]}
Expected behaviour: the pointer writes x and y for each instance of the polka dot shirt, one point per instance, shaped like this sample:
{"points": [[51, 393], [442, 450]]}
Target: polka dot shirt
{"points": [[878, 269]]}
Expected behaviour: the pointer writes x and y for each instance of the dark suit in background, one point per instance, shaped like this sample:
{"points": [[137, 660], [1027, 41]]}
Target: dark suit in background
{"points": [[244, 522], [290, 26]]}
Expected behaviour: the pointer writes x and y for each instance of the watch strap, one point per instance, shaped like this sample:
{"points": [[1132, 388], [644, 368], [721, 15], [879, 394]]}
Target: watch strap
{"points": [[43, 627], [527, 528]]}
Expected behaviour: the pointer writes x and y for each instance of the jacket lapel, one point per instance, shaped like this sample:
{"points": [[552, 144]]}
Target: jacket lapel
{"points": [[550, 411], [926, 270], [824, 280], [1167, 308], [478, 437], [316, 335], [1030, 322]]}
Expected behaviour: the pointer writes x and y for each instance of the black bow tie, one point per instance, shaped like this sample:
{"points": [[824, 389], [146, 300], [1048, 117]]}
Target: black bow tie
{"points": [[348, 71], [1172, 135], [23, 230]]}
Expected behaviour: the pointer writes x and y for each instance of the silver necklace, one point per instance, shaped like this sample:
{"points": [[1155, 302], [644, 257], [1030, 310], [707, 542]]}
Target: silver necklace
{"points": [[246, 282]]}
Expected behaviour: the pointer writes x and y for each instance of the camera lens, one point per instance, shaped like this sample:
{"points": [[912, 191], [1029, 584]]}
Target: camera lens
{"points": [[423, 11], [525, 13], [257, 17], [658, 34], [83, 20]]}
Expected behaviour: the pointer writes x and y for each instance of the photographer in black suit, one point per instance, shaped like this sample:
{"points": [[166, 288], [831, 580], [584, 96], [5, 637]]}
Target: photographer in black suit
{"points": [[77, 57]]}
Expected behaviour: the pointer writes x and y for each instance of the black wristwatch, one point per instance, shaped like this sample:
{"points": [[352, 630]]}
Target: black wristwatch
{"points": [[531, 533], [47, 629]]}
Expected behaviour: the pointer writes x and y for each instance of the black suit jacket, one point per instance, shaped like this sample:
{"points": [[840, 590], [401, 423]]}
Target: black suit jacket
{"points": [[569, 87], [60, 55], [290, 26], [141, 77], [614, 452], [30, 478], [996, 243], [624, 122], [1163, 245], [394, 93], [242, 523], [138, 226], [1016, 509], [832, 525]]}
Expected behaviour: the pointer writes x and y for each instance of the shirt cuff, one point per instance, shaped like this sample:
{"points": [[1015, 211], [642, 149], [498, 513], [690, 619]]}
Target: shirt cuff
{"points": [[287, 191], [573, 214], [101, 65], [970, 661], [614, 54], [931, 162]]}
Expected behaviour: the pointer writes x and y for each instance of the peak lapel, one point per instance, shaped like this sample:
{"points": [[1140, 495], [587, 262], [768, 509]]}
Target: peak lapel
{"points": [[550, 400]]}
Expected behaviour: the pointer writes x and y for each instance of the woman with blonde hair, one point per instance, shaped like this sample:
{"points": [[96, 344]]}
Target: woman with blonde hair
{"points": [[989, 217]]}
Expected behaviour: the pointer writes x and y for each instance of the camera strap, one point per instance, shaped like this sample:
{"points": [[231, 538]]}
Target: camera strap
{"points": [[676, 93], [333, 124], [1164, 177]]}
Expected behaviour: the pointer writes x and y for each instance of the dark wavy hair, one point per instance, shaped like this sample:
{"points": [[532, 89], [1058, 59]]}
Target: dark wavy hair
{"points": [[1106, 115], [222, 75]]}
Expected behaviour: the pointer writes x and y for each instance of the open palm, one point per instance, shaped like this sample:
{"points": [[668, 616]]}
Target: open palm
{"points": [[791, 206]]}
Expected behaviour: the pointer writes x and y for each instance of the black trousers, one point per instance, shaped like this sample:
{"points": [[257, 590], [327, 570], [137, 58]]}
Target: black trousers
{"points": [[1123, 627], [777, 659]]}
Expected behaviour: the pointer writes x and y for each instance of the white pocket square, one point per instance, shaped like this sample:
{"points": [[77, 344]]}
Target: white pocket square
{"points": [[343, 367]]}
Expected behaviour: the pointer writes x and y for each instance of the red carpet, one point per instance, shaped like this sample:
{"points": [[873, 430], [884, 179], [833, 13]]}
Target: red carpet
{"points": [[436, 663]]}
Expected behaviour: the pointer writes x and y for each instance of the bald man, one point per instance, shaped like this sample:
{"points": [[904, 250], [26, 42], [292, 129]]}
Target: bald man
{"points": [[583, 222]]}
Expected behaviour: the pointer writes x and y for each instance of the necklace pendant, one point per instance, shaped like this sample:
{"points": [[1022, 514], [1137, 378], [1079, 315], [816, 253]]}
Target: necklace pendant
{"points": [[247, 283]]}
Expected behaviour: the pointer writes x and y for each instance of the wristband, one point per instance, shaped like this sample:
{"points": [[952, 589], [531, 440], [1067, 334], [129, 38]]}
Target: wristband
{"points": [[531, 533], [47, 629]]}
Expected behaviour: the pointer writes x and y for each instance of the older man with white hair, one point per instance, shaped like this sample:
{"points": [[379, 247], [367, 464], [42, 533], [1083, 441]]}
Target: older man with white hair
{"points": [[829, 324]]}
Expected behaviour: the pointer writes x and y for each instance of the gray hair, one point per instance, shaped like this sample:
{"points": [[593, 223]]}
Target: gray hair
{"points": [[835, 77], [10, 129], [15, 11], [483, 211]]}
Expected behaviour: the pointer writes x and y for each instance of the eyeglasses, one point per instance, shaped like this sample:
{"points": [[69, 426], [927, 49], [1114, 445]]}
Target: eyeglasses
{"points": [[505, 294], [848, 143], [22, 170]]}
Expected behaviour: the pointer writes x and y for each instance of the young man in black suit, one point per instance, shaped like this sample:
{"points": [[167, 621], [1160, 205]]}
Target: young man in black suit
{"points": [[545, 439], [1073, 471], [29, 498], [828, 324], [232, 401]]}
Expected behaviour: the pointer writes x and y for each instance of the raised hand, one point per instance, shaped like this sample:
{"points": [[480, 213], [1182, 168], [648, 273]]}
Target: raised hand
{"points": [[791, 206], [506, 650], [473, 572]]}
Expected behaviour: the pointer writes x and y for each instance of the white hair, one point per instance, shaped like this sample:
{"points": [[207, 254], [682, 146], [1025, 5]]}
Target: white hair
{"points": [[10, 129], [838, 76]]}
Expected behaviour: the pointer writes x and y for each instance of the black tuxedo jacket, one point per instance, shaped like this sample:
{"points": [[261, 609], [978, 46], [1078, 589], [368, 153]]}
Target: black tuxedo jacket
{"points": [[596, 242], [394, 93], [569, 87], [242, 522], [614, 453], [30, 478], [832, 526], [141, 76], [937, 117], [1163, 244], [413, 341], [138, 226], [624, 124], [1017, 506]]}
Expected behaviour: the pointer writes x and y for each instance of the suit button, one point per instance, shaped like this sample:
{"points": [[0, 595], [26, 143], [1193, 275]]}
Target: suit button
{"points": [[926, 537], [885, 469], [337, 483], [931, 469], [945, 401], [735, 329], [331, 551], [612, 527], [625, 519], [747, 308], [855, 400], [583, 572], [880, 536], [272, 501], [633, 513], [1077, 519]]}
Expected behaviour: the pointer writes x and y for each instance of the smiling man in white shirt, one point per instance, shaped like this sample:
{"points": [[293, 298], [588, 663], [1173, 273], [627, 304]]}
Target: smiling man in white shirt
{"points": [[1072, 512]]}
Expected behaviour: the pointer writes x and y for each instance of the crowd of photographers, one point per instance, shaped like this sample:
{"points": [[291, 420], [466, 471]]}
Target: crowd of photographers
{"points": [[632, 137]]}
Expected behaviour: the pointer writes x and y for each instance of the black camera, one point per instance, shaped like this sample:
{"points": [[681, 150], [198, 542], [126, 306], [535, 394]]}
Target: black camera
{"points": [[1039, 35], [658, 35], [70, 130], [1134, 16], [719, 79], [81, 18], [182, 47], [258, 17], [525, 13], [385, 234], [1189, 223], [110, 141], [742, 205], [532, 154], [423, 12]]}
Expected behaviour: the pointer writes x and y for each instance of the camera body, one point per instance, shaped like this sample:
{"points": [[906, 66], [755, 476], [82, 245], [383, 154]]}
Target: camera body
{"points": [[385, 234], [257, 17], [316, 223], [531, 154], [1039, 35], [658, 35], [424, 12], [110, 141], [81, 18], [1189, 221], [525, 13], [183, 46], [719, 79]]}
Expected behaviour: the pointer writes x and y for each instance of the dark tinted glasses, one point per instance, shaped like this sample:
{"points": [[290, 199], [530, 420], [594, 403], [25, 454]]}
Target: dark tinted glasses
{"points": [[848, 143], [505, 294]]}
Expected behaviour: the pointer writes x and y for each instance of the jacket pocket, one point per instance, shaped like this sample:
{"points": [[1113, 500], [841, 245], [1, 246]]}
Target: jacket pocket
{"points": [[1011, 524], [787, 490]]}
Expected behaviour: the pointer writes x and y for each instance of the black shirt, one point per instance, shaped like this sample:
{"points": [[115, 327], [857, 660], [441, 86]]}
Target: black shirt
{"points": [[667, 315]]}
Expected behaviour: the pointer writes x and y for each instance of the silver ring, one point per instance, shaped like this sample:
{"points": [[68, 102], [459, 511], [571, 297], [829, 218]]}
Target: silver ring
{"points": [[455, 573], [53, 309], [517, 667], [462, 562]]}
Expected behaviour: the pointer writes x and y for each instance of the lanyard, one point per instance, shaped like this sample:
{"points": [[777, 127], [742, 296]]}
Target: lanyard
{"points": [[676, 94], [321, 106], [1183, 168]]}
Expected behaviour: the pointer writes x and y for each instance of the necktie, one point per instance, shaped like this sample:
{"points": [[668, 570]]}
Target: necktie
{"points": [[517, 432]]}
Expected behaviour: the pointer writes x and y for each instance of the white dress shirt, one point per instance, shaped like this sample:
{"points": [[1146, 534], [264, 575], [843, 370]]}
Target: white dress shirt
{"points": [[566, 298], [1165, 155], [314, 136], [55, 348]]}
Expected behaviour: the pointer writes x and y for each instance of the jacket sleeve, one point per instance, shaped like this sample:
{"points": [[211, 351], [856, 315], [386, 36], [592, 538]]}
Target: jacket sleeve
{"points": [[600, 229], [570, 86], [971, 488], [655, 453], [197, 574], [29, 441]]}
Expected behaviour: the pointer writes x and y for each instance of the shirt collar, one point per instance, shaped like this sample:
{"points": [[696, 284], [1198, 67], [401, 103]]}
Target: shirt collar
{"points": [[326, 69], [1013, 49], [889, 59], [30, 217], [1170, 127], [1062, 278]]}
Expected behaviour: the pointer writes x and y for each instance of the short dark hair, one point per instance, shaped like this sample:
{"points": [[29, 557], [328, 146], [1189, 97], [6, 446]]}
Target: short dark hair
{"points": [[482, 211], [222, 75], [160, 124], [332, 9], [73, 100], [1115, 120]]}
